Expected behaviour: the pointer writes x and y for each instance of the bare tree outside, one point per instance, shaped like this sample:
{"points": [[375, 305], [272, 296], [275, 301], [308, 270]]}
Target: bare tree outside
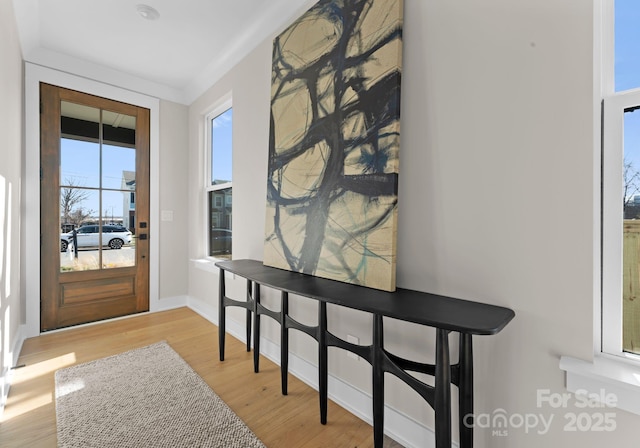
{"points": [[631, 183], [71, 199]]}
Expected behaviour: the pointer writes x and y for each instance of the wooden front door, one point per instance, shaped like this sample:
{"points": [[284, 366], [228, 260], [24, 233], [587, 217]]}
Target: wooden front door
{"points": [[94, 213]]}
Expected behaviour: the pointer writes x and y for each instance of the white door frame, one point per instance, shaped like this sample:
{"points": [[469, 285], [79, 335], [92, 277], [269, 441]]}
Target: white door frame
{"points": [[34, 75]]}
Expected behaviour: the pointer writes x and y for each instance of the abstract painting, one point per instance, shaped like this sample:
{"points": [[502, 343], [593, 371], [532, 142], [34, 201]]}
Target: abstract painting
{"points": [[332, 183]]}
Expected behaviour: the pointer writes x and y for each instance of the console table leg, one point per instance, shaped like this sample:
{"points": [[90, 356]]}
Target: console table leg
{"points": [[466, 391], [256, 328], [248, 325], [443, 390], [378, 382], [284, 341], [221, 313], [323, 361]]}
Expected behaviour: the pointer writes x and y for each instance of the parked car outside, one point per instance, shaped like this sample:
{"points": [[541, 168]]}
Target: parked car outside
{"points": [[220, 242], [113, 236]]}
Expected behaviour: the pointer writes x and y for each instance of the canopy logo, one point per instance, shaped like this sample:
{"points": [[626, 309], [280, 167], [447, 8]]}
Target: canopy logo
{"points": [[592, 414]]}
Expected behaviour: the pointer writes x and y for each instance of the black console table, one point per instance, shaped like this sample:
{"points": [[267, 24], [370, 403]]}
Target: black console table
{"points": [[445, 314]]}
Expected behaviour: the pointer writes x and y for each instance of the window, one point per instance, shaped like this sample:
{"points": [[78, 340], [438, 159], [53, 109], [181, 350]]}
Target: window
{"points": [[219, 182], [621, 184], [614, 367]]}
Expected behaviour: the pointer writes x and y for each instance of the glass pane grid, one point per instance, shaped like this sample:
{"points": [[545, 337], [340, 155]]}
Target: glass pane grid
{"points": [[97, 189], [219, 192]]}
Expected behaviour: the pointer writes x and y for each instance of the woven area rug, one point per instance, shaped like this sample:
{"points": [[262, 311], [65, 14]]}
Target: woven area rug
{"points": [[148, 397]]}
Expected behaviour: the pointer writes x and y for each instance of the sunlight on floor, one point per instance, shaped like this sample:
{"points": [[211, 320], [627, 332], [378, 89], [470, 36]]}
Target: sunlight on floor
{"points": [[22, 405], [26, 396], [70, 387], [32, 371]]}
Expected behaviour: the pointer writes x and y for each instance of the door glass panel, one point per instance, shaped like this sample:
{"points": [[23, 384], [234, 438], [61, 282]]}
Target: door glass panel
{"points": [[97, 188], [79, 146], [79, 163], [119, 177], [78, 214], [118, 215], [118, 167], [118, 151]]}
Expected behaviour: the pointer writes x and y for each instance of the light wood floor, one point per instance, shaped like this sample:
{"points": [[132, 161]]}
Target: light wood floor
{"points": [[290, 421]]}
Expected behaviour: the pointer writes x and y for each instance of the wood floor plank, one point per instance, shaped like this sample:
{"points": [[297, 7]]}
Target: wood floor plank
{"points": [[279, 421]]}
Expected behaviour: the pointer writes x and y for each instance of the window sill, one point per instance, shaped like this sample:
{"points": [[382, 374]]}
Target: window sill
{"points": [[206, 264], [606, 373]]}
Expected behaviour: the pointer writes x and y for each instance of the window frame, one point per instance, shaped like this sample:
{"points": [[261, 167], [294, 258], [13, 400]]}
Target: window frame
{"points": [[614, 105], [610, 369], [224, 104]]}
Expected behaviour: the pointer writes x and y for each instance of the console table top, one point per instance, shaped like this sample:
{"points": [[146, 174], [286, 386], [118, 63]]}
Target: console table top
{"points": [[423, 308]]}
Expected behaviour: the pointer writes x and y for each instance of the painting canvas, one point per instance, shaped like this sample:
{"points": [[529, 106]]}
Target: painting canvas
{"points": [[332, 184]]}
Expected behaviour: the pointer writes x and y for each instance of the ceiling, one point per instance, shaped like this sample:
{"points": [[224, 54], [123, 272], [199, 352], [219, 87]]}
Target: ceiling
{"points": [[177, 57]]}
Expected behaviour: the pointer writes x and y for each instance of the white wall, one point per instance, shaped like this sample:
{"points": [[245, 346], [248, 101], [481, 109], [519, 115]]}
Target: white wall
{"points": [[11, 140], [19, 191], [496, 204], [173, 206]]}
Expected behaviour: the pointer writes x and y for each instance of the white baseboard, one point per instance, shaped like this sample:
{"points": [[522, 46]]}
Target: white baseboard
{"points": [[400, 427], [206, 310], [168, 303]]}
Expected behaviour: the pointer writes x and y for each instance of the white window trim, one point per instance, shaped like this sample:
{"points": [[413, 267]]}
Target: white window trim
{"points": [[611, 369], [610, 374], [218, 108], [612, 174]]}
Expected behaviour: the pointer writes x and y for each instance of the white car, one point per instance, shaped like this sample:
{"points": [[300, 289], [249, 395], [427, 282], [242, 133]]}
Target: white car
{"points": [[112, 236]]}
